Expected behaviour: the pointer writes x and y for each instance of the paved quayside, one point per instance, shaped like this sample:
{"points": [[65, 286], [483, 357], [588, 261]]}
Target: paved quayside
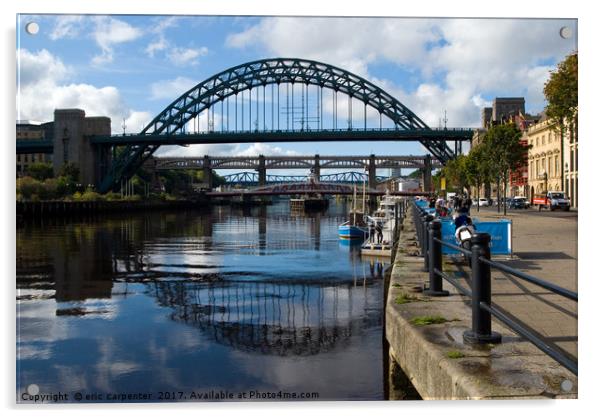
{"points": [[434, 357]]}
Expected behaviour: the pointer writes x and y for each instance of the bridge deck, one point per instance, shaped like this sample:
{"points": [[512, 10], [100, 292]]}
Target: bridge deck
{"points": [[217, 137]]}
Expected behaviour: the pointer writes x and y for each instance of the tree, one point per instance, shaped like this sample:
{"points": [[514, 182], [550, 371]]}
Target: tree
{"points": [[70, 171], [561, 92], [455, 173], [478, 168], [40, 171], [504, 153]]}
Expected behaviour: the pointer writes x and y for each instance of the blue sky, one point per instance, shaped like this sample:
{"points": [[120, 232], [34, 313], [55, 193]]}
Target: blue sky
{"points": [[133, 66]]}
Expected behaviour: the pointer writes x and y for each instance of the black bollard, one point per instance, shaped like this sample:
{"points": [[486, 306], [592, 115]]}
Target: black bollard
{"points": [[481, 293], [435, 261]]}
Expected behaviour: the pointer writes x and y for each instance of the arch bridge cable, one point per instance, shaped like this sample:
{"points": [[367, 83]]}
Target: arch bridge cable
{"points": [[202, 114]]}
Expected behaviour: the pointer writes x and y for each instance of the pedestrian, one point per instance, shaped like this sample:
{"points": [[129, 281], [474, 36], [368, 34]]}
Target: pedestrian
{"points": [[379, 233], [371, 229], [432, 202]]}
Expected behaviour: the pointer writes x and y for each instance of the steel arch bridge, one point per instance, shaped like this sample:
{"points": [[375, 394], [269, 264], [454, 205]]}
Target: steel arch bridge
{"points": [[252, 179], [171, 125]]}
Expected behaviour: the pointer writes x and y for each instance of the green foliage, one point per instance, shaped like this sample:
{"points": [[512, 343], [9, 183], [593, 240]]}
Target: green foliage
{"points": [[112, 196], [416, 174], [428, 320], [27, 187], [455, 173], [455, 354], [89, 195], [561, 92], [70, 171], [40, 171], [405, 298]]}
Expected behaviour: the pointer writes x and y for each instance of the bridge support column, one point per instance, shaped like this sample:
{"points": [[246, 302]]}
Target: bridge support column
{"points": [[207, 172], [261, 171], [71, 140], [372, 180], [427, 174], [372, 172], [316, 167]]}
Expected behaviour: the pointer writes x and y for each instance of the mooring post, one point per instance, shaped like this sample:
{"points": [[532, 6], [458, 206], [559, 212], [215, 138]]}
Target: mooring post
{"points": [[435, 260], [481, 293]]}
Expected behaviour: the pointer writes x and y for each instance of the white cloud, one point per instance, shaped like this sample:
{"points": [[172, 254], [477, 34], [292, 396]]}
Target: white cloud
{"points": [[42, 67], [199, 150], [462, 63], [170, 89], [109, 32], [43, 89], [66, 27], [186, 56], [260, 148], [160, 43], [105, 30]]}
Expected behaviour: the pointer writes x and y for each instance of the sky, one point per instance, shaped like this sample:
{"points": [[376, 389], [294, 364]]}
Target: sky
{"points": [[132, 67]]}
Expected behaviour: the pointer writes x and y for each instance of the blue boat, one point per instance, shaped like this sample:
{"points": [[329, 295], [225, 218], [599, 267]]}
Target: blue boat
{"points": [[348, 231]]}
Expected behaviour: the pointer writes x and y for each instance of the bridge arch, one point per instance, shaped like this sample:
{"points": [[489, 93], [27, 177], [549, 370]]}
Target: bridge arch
{"points": [[235, 80]]}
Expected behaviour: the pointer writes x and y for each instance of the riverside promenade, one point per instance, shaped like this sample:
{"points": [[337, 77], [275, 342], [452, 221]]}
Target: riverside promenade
{"points": [[427, 351]]}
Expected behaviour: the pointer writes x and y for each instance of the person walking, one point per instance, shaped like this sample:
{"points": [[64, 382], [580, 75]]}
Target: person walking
{"points": [[379, 233]]}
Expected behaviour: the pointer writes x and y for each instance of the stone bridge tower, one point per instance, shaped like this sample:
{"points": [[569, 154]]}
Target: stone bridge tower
{"points": [[72, 132]]}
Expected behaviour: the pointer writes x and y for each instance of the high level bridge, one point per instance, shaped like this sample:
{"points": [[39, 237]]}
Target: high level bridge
{"points": [[269, 100], [261, 164]]}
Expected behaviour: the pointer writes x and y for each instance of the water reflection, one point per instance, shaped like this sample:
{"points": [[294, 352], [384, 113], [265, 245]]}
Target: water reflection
{"points": [[193, 300], [276, 318]]}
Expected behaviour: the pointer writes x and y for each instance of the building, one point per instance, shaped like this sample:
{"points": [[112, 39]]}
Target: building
{"points": [[544, 171], [506, 108], [31, 131], [72, 131], [502, 110], [70, 134], [571, 165], [486, 117]]}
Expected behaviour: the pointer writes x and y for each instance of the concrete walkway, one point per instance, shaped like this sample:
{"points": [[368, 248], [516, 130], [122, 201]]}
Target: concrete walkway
{"points": [[425, 333], [545, 246]]}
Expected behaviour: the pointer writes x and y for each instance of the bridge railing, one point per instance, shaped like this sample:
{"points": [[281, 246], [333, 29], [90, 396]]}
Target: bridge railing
{"points": [[428, 231]]}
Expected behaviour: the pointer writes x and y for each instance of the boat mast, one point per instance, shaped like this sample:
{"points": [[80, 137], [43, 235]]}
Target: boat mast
{"points": [[364, 198]]}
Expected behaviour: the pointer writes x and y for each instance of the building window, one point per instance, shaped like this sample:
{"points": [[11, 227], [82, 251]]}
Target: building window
{"points": [[536, 168], [549, 138], [537, 141], [572, 167], [549, 166], [556, 166]]}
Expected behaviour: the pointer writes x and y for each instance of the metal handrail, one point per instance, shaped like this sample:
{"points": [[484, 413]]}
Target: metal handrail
{"points": [[533, 280], [482, 308]]}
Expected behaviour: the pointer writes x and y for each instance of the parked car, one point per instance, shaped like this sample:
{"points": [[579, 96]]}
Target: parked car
{"points": [[519, 202], [483, 202]]}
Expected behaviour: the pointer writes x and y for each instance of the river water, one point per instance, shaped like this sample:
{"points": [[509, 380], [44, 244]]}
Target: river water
{"points": [[253, 304]]}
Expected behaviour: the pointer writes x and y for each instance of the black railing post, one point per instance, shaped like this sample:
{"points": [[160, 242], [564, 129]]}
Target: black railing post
{"points": [[435, 260], [481, 293], [425, 239], [420, 231]]}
